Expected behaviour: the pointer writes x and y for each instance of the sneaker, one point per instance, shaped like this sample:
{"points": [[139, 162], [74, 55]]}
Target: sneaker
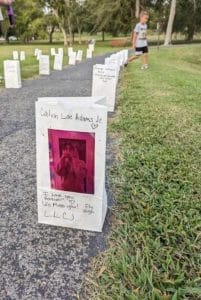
{"points": [[2, 39], [144, 67]]}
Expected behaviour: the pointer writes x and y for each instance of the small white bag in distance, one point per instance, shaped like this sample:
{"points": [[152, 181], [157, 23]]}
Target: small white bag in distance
{"points": [[44, 65], [58, 62], [12, 74], [72, 58]]}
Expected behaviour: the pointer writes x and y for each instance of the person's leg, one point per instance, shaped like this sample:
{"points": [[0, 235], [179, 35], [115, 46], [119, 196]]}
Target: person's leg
{"points": [[135, 55], [145, 58]]}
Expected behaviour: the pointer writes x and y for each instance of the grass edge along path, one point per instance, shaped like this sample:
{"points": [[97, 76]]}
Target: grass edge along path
{"points": [[155, 245]]}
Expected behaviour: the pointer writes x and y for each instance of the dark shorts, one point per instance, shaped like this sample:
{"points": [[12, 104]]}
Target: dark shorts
{"points": [[142, 49]]}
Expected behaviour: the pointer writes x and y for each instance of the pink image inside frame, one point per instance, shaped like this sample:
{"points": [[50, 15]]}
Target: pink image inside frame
{"points": [[72, 161]]}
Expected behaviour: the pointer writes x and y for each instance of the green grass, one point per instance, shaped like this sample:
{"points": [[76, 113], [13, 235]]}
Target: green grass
{"points": [[155, 244], [29, 68]]}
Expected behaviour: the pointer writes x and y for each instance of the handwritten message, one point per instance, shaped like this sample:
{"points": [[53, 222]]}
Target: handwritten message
{"points": [[63, 206], [106, 75], [12, 74]]}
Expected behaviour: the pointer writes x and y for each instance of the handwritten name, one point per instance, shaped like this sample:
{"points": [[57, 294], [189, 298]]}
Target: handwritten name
{"points": [[93, 121]]}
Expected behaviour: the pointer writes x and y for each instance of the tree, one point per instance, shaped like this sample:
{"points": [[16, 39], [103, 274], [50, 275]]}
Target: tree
{"points": [[29, 16], [50, 24], [68, 15], [137, 8], [112, 16], [57, 8], [79, 16], [168, 36], [39, 18], [188, 18]]}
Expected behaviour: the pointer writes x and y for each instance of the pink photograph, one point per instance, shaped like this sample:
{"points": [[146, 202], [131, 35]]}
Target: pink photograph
{"points": [[72, 161]]}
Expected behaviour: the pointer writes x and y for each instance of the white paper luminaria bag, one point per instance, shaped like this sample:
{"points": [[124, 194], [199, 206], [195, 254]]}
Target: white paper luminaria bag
{"points": [[12, 74], [71, 146], [104, 83]]}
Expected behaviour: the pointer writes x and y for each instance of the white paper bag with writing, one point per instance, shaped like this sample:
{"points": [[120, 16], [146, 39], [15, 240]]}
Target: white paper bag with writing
{"points": [[58, 62], [52, 51], [39, 53], [91, 47], [104, 84], [72, 58], [44, 65], [89, 53], [22, 55], [36, 52], [12, 74], [79, 55], [71, 144], [111, 62], [70, 50], [61, 51], [15, 55]]}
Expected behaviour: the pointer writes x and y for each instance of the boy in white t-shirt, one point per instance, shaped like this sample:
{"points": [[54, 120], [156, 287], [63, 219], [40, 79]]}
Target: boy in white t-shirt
{"points": [[140, 43]]}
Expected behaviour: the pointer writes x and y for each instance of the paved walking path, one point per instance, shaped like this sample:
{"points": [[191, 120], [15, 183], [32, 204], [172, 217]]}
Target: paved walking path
{"points": [[37, 261]]}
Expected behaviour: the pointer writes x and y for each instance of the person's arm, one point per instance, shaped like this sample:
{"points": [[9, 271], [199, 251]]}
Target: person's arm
{"points": [[135, 34], [134, 39], [6, 2]]}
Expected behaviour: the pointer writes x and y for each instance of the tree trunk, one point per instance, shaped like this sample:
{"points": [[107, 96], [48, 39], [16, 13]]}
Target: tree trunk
{"points": [[1, 29], [190, 33], [79, 29], [7, 34], [168, 36], [69, 21], [80, 35], [51, 35], [55, 12], [70, 30], [103, 35], [137, 8], [64, 35], [191, 28]]}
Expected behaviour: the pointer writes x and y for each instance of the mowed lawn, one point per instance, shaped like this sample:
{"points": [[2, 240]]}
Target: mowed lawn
{"points": [[30, 67], [155, 244]]}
